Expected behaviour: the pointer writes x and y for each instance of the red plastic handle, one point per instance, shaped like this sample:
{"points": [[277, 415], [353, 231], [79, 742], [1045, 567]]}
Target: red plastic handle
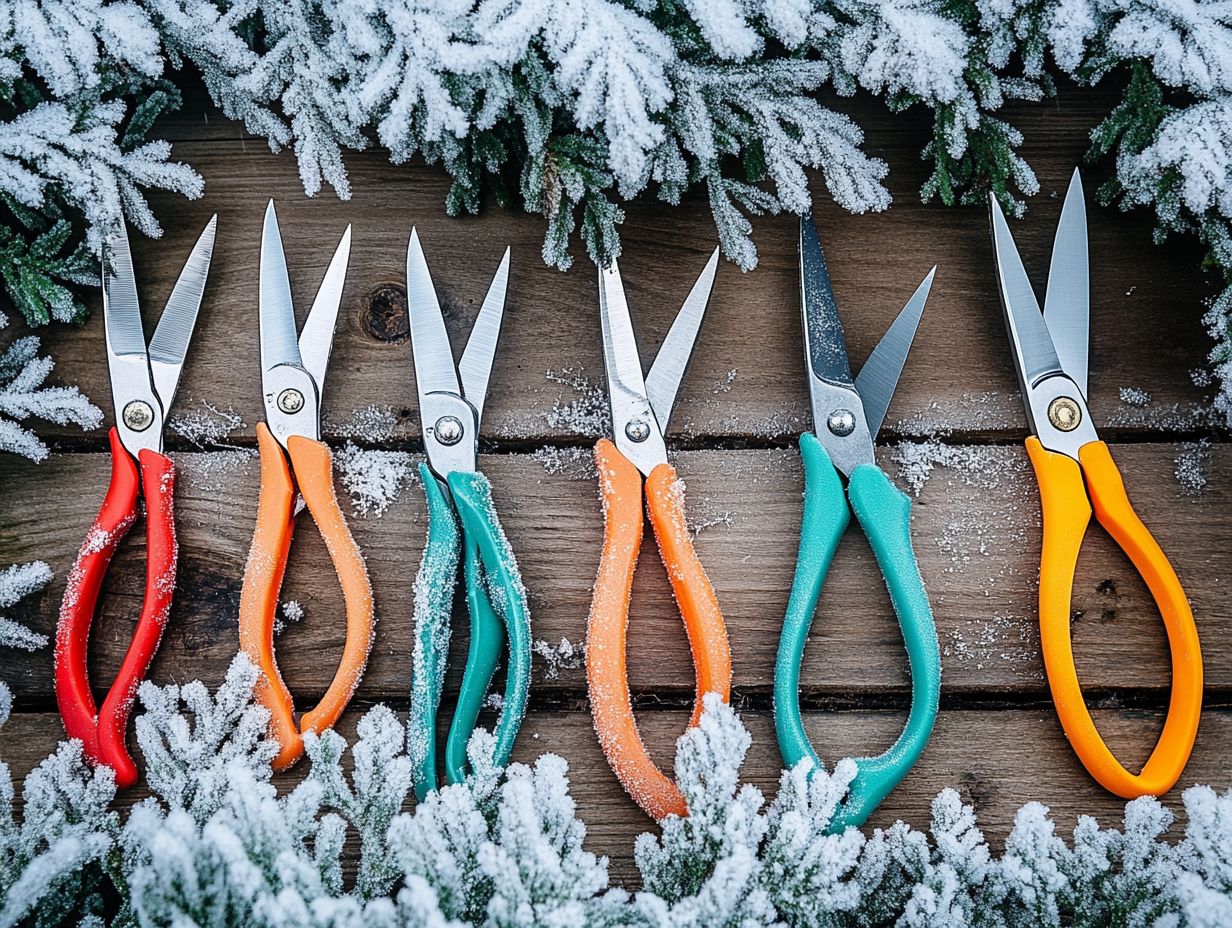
{"points": [[85, 580], [162, 550]]}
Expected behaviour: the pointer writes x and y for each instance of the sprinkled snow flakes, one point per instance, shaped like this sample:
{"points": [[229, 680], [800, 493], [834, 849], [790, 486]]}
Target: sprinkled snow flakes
{"points": [[1139, 411], [557, 658], [701, 519], [290, 613], [1191, 465], [206, 424], [494, 701], [1000, 639], [984, 411], [588, 413], [370, 424], [216, 471], [1201, 377], [1134, 396], [725, 385], [570, 463], [373, 478], [977, 465]]}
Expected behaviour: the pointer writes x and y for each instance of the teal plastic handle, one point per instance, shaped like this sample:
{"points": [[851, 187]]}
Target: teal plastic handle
{"points": [[494, 589], [434, 583], [884, 513]]}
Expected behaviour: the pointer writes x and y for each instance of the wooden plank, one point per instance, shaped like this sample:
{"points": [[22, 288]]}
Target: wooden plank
{"points": [[997, 760], [747, 381], [976, 529]]}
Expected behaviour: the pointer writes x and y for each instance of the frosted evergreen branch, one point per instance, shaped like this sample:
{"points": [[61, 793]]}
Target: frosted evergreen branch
{"points": [[23, 395]]}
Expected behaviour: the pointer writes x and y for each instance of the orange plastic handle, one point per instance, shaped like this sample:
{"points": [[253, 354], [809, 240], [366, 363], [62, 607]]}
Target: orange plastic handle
{"points": [[1067, 513], [267, 560], [606, 671]]}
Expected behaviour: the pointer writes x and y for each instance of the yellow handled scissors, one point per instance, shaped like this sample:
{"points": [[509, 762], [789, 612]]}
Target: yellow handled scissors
{"points": [[1050, 353]]}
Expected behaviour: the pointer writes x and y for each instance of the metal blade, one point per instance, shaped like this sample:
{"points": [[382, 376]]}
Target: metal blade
{"points": [[1067, 304], [175, 329], [475, 368], [670, 363], [879, 376], [121, 312], [434, 368], [278, 341], [1034, 353], [317, 337], [824, 344]]}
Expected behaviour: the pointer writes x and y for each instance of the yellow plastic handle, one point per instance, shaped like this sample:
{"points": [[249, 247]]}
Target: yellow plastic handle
{"points": [[314, 472], [1067, 513], [267, 562]]}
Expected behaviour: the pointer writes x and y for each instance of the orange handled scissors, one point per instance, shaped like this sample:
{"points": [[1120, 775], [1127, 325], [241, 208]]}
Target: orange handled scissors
{"points": [[292, 375], [640, 410], [1050, 353]]}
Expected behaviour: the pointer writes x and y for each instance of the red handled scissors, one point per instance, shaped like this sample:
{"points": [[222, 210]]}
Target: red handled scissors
{"points": [[143, 382]]}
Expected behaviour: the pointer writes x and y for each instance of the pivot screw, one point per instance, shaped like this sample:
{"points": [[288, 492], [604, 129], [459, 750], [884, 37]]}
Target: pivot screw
{"points": [[637, 430], [290, 400], [1064, 414], [138, 415], [842, 422], [448, 430]]}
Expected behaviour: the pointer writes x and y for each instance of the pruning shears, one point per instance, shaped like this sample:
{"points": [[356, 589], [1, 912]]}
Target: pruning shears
{"points": [[462, 526], [143, 384], [294, 461], [847, 414], [1076, 473], [640, 410]]}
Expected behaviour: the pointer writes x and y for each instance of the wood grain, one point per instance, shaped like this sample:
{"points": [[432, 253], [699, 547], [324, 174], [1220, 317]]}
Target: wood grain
{"points": [[997, 760], [976, 531]]}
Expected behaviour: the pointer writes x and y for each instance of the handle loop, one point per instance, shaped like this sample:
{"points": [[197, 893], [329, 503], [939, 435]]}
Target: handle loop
{"points": [[1067, 513], [884, 513], [611, 705]]}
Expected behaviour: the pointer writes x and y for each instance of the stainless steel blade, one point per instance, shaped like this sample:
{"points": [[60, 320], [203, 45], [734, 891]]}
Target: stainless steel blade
{"points": [[1034, 354], [277, 314], [1067, 302], [475, 368], [121, 311], [635, 429], [434, 367], [879, 376], [317, 337], [824, 344], [667, 370], [169, 344]]}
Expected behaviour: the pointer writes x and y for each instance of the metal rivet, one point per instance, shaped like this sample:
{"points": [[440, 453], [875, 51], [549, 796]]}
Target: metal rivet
{"points": [[290, 401], [1064, 414], [637, 430], [138, 415], [448, 430], [842, 422]]}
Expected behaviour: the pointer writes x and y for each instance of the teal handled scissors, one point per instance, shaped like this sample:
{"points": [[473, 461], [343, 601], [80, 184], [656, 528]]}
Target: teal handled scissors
{"points": [[462, 526], [847, 414]]}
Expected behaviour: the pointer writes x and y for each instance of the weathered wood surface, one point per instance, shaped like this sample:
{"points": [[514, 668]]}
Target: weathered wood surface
{"points": [[975, 523], [1027, 759], [976, 531]]}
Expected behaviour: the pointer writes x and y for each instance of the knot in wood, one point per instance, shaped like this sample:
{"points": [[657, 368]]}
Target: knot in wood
{"points": [[385, 317]]}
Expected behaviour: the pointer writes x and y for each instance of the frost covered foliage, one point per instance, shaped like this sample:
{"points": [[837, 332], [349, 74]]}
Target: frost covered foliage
{"points": [[24, 395], [216, 845], [16, 583]]}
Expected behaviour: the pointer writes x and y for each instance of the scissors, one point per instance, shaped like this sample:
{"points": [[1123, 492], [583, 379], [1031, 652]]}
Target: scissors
{"points": [[1050, 355], [640, 411], [847, 414], [462, 526], [143, 383], [292, 377]]}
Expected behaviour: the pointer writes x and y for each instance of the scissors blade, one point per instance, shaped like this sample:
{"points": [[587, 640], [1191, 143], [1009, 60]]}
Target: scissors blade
{"points": [[317, 338], [121, 312], [278, 336], [475, 368], [824, 344], [434, 368], [1034, 353], [667, 370], [879, 376], [1067, 303], [174, 331]]}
